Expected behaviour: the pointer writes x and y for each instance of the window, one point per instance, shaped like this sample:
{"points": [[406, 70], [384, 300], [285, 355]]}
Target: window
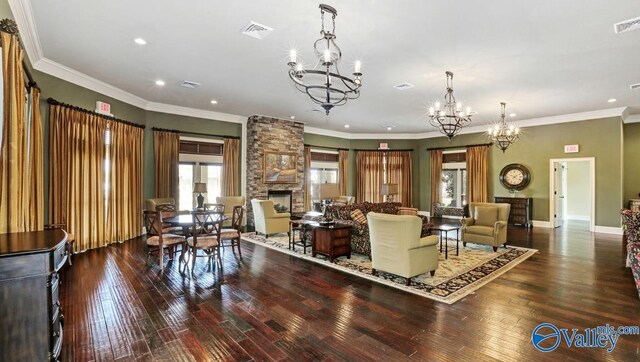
{"points": [[454, 184], [185, 186], [212, 176], [200, 161]]}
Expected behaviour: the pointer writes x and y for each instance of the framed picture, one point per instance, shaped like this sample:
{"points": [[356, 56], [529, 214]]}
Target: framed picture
{"points": [[280, 168]]}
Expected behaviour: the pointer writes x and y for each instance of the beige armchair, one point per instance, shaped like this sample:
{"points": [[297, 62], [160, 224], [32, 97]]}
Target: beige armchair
{"points": [[397, 248], [150, 204], [344, 200], [229, 202], [487, 224], [267, 220]]}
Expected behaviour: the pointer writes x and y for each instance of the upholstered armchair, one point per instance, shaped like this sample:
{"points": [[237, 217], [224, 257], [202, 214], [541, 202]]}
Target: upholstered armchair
{"points": [[344, 200], [397, 248], [150, 204], [487, 224], [229, 203], [267, 220]]}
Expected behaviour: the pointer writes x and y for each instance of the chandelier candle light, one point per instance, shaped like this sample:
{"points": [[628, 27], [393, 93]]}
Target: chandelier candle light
{"points": [[502, 133], [324, 84], [449, 118]]}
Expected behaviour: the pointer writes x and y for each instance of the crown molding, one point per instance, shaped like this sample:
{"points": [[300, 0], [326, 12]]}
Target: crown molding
{"points": [[23, 15], [194, 112]]}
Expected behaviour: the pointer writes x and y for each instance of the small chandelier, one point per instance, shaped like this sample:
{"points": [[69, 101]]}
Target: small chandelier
{"points": [[450, 118], [324, 84], [503, 134]]}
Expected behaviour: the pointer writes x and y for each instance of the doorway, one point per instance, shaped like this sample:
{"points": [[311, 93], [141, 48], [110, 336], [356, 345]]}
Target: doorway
{"points": [[572, 193]]}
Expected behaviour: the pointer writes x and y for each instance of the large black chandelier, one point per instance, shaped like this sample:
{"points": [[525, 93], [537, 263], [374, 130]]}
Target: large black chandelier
{"points": [[449, 118], [324, 84], [503, 134]]}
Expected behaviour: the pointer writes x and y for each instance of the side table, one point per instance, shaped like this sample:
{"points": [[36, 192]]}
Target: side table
{"points": [[300, 226], [444, 233], [332, 240]]}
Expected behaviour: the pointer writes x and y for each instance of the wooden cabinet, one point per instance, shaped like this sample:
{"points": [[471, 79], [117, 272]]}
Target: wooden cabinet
{"points": [[520, 213], [332, 241], [30, 314]]}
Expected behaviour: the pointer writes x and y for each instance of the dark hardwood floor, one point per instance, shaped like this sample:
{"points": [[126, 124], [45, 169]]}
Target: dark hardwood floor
{"points": [[270, 306]]}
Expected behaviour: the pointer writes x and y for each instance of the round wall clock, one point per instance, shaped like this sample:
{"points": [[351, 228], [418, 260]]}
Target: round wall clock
{"points": [[515, 176]]}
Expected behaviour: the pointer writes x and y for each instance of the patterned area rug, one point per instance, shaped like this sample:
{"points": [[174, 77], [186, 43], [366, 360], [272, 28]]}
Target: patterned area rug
{"points": [[455, 277]]}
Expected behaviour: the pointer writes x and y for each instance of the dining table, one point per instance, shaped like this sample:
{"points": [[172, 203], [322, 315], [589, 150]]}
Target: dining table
{"points": [[186, 221]]}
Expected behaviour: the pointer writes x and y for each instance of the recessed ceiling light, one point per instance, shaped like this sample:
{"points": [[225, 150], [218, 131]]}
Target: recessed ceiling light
{"points": [[160, 82], [512, 115], [213, 101], [140, 41], [389, 128], [346, 126], [293, 117], [611, 100]]}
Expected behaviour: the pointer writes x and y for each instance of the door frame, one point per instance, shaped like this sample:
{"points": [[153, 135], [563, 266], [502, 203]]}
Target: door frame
{"points": [[592, 188]]}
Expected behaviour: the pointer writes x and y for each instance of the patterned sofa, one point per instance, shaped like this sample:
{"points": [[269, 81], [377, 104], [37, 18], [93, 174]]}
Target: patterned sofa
{"points": [[360, 232], [631, 224]]}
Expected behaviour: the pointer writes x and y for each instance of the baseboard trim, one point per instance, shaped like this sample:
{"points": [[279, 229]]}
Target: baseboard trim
{"points": [[542, 224], [608, 230]]}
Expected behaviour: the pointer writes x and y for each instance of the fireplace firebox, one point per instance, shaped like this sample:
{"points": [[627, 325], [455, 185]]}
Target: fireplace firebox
{"points": [[282, 199]]}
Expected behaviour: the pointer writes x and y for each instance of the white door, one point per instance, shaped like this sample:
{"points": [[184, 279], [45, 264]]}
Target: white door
{"points": [[559, 190]]}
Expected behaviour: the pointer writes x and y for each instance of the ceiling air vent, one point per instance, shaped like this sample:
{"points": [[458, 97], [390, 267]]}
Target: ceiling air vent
{"points": [[403, 86], [256, 30], [627, 25], [635, 86], [190, 84]]}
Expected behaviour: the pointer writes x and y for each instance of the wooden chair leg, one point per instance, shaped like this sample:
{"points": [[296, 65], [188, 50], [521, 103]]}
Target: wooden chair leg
{"points": [[433, 272], [495, 248], [239, 250], [373, 271], [194, 254], [408, 281]]}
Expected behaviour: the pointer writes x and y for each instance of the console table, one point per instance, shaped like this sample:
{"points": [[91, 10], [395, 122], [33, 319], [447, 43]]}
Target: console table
{"points": [[332, 240], [30, 313], [520, 213]]}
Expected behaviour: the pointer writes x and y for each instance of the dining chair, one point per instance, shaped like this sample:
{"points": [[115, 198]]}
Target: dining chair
{"points": [[205, 235], [169, 211], [158, 240], [233, 234], [214, 207]]}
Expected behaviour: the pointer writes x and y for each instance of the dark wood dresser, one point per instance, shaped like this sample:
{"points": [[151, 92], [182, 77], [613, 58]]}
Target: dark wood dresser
{"points": [[520, 213], [30, 314], [332, 240]]}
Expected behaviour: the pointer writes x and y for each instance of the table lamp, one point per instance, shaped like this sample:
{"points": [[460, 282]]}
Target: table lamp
{"points": [[389, 190], [199, 188]]}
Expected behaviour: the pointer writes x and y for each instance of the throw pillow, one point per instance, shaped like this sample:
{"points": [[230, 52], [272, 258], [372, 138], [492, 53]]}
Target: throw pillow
{"points": [[486, 215], [358, 216], [407, 211]]}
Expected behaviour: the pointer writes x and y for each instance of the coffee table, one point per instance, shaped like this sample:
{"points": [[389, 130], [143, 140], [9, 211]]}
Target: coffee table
{"points": [[444, 234]]}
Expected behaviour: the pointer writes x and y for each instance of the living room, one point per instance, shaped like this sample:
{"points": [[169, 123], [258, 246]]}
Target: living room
{"points": [[257, 307]]}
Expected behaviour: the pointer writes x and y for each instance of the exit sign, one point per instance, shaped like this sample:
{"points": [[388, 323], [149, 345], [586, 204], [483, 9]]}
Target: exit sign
{"points": [[103, 108], [571, 148]]}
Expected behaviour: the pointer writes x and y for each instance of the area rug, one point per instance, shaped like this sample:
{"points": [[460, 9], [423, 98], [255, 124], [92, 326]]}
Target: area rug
{"points": [[456, 277]]}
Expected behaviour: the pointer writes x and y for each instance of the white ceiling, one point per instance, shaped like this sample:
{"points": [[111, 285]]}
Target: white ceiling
{"points": [[543, 58]]}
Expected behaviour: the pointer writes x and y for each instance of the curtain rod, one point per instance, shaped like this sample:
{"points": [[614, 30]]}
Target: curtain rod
{"points": [[9, 26], [54, 102], [330, 148], [193, 133], [358, 149], [462, 146]]}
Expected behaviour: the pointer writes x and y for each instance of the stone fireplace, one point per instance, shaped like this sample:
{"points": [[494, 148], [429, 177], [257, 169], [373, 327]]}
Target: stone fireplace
{"points": [[266, 134]]}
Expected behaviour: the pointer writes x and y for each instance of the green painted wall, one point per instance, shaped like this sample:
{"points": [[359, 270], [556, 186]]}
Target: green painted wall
{"points": [[601, 138], [631, 164]]}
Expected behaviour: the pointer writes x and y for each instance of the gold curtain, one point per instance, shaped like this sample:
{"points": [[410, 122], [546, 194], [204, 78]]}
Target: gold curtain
{"points": [[477, 174], [400, 171], [369, 172], [343, 171], [14, 183], [166, 151], [435, 167], [77, 153], [124, 206], [230, 176], [307, 178], [35, 218]]}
